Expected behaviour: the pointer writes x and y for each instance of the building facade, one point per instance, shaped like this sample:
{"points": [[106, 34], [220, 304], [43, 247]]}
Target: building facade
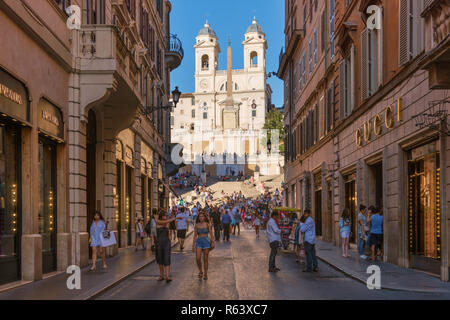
{"points": [[225, 116], [74, 134], [390, 131], [308, 68]]}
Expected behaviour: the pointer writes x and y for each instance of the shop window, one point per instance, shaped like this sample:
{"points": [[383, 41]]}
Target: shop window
{"points": [[424, 214], [118, 200], [10, 217], [47, 204], [149, 195], [128, 202]]}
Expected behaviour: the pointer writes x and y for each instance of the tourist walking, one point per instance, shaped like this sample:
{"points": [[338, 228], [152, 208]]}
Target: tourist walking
{"points": [[140, 234], [309, 242], [203, 243], [215, 217], [274, 237], [173, 225], [181, 223], [163, 245], [362, 231], [345, 229], [226, 223], [97, 227], [257, 222], [376, 232], [237, 219]]}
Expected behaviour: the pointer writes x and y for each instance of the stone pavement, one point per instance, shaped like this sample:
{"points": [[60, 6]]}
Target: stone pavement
{"points": [[238, 271], [393, 277], [126, 263]]}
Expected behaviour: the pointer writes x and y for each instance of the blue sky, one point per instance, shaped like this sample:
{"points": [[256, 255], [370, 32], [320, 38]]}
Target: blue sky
{"points": [[227, 18]]}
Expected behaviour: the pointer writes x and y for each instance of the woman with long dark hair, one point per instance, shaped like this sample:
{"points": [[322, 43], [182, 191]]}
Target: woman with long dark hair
{"points": [[203, 243], [163, 244], [97, 227]]}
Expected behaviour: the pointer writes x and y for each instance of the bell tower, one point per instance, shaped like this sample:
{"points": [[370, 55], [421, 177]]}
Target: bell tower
{"points": [[207, 51], [255, 46]]}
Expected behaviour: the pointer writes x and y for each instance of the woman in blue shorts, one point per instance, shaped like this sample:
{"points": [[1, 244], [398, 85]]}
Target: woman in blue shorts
{"points": [[345, 228], [203, 243]]}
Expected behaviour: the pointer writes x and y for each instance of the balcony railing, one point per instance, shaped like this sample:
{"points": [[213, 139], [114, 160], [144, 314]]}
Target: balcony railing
{"points": [[175, 45], [174, 53]]}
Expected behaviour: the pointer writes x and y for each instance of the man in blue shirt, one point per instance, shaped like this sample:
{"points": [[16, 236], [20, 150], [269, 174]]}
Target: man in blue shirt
{"points": [[376, 231], [274, 237], [226, 221], [309, 228]]}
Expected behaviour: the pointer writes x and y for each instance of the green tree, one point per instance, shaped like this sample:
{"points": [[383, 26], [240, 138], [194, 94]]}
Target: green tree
{"points": [[275, 121]]}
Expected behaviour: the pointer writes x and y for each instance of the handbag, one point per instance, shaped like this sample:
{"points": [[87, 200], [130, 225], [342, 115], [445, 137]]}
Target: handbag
{"points": [[108, 241], [142, 234]]}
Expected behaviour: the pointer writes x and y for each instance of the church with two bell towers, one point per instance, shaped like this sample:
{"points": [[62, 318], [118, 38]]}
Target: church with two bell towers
{"points": [[225, 116]]}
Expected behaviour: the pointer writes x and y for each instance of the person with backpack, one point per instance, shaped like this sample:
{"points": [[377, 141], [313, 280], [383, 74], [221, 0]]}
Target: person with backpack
{"points": [[345, 228]]}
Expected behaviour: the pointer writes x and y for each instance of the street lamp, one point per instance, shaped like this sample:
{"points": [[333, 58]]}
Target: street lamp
{"points": [[269, 145], [175, 98]]}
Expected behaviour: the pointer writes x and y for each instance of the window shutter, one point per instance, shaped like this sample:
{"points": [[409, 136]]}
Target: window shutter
{"points": [[316, 123], [327, 110], [419, 26], [342, 91], [333, 102], [404, 32], [364, 64], [323, 31], [374, 61], [322, 120]]}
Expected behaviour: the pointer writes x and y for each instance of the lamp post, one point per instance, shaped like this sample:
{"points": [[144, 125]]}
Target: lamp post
{"points": [[147, 110]]}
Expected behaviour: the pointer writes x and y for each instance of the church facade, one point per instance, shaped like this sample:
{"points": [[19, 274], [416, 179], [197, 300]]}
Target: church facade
{"points": [[220, 125]]}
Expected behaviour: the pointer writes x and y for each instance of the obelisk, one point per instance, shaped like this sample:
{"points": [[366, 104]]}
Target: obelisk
{"points": [[229, 101]]}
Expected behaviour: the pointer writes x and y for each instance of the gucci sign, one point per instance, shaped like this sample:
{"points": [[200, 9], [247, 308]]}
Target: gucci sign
{"points": [[374, 127]]}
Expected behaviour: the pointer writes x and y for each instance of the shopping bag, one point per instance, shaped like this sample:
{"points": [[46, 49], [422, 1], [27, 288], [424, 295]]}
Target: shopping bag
{"points": [[107, 238]]}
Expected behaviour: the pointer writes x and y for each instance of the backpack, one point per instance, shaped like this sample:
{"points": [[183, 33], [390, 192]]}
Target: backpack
{"points": [[148, 228]]}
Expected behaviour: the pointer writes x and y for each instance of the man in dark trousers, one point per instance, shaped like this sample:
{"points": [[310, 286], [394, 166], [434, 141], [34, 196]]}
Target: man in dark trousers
{"points": [[274, 238], [309, 228], [215, 217], [226, 222]]}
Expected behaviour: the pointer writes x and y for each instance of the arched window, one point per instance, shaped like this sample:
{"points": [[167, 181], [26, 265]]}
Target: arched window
{"points": [[253, 59], [205, 62]]}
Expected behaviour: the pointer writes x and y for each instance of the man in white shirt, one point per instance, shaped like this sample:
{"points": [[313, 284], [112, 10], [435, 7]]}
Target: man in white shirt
{"points": [[274, 236], [181, 222]]}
